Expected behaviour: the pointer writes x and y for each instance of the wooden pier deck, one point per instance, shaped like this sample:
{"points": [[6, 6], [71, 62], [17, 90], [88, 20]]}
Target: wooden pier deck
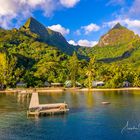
{"points": [[34, 100], [36, 109]]}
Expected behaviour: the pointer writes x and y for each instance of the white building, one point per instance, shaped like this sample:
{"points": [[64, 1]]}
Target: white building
{"points": [[98, 83]]}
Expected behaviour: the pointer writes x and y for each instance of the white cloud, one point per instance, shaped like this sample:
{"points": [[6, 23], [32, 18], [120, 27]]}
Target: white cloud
{"points": [[5, 7], [127, 10], [69, 3], [132, 23], [59, 28], [34, 2], [129, 23], [90, 28], [21, 9], [128, 15], [72, 42], [135, 8], [9, 10], [85, 43]]}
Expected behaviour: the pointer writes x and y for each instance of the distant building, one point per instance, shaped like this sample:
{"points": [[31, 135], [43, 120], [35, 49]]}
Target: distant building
{"points": [[56, 84], [1, 87], [98, 83], [21, 85], [126, 84], [47, 84], [68, 84]]}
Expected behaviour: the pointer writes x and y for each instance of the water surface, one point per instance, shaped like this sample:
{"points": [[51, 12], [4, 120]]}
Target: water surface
{"points": [[87, 119]]}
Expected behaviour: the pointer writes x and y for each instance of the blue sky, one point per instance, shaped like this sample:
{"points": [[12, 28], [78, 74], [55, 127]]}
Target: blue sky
{"points": [[82, 22]]}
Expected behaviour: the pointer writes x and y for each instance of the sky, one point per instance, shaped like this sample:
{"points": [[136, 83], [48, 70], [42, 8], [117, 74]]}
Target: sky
{"points": [[81, 22]]}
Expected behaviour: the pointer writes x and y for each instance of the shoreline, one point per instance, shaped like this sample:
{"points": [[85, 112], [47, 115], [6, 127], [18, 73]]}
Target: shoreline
{"points": [[61, 89]]}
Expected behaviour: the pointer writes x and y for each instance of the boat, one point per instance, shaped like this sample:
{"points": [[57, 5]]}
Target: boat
{"points": [[106, 103]]}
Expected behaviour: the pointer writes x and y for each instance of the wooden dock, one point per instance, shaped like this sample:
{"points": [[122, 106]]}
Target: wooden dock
{"points": [[34, 101], [36, 109]]}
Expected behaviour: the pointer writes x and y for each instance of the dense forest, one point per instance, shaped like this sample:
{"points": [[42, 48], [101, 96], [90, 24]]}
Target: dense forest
{"points": [[26, 55]]}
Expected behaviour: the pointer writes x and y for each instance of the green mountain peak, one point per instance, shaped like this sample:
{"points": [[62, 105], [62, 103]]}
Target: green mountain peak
{"points": [[31, 22], [118, 35], [118, 26], [36, 27], [47, 35]]}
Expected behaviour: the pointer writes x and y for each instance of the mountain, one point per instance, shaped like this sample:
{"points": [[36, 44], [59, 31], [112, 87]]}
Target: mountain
{"points": [[47, 35], [118, 26], [39, 54], [34, 26], [118, 35], [119, 44]]}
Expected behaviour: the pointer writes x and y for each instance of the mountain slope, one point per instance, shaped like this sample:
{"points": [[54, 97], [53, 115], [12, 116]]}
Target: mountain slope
{"points": [[47, 35], [118, 35], [37, 28], [41, 55], [119, 44]]}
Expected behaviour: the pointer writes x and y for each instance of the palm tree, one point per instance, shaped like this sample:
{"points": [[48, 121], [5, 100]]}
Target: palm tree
{"points": [[90, 71], [73, 67]]}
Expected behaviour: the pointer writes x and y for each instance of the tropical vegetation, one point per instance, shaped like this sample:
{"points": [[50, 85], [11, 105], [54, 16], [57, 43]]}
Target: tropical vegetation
{"points": [[28, 56]]}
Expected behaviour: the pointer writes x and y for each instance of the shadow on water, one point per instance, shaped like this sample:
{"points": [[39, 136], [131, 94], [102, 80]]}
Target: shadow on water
{"points": [[76, 110]]}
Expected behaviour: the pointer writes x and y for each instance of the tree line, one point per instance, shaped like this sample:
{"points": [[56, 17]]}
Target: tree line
{"points": [[57, 67]]}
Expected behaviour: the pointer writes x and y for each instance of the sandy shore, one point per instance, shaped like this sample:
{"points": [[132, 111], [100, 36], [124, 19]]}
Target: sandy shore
{"points": [[65, 89], [109, 89]]}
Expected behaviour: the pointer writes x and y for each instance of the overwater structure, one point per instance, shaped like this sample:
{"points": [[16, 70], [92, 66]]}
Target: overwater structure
{"points": [[36, 109]]}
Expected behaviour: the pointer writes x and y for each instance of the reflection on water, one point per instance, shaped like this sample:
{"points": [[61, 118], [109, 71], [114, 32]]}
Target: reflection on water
{"points": [[88, 119], [89, 100]]}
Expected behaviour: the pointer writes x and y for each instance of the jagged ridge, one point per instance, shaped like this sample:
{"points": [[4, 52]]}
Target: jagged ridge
{"points": [[47, 35]]}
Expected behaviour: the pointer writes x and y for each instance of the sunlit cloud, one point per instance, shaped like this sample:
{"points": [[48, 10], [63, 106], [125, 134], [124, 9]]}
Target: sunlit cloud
{"points": [[20, 9], [59, 28], [69, 3], [84, 42]]}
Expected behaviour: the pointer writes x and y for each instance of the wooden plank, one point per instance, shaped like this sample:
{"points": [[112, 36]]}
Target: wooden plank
{"points": [[52, 105], [53, 111], [34, 101]]}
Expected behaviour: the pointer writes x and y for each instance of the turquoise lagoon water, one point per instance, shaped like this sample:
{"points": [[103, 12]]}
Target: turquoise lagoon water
{"points": [[87, 119]]}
